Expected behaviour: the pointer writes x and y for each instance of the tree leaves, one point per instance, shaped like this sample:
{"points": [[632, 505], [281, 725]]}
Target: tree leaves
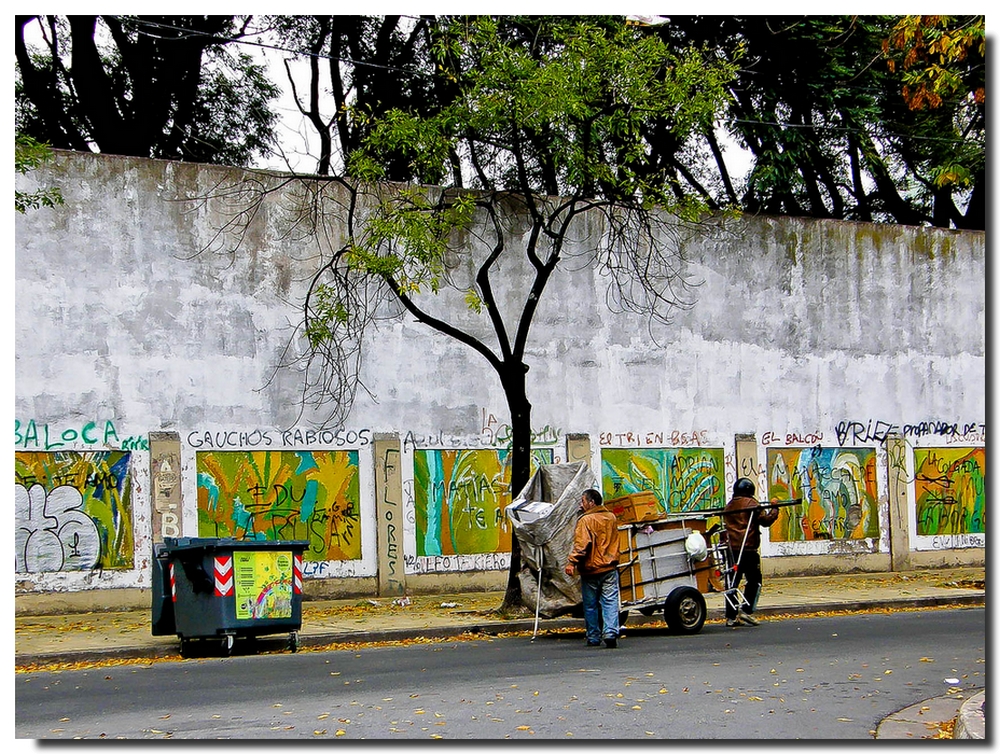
{"points": [[554, 106], [29, 154], [148, 86]]}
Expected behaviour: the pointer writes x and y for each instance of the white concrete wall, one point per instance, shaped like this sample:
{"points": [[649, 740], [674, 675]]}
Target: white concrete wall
{"points": [[803, 333]]}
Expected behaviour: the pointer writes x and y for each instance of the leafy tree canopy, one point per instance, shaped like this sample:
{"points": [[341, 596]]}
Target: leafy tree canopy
{"points": [[825, 106], [171, 87], [541, 108]]}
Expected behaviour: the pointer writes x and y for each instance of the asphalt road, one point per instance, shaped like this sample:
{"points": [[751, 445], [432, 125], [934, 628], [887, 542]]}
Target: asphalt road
{"points": [[812, 678]]}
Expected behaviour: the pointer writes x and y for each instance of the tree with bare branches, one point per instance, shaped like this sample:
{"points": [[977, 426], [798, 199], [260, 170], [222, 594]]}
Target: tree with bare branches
{"points": [[538, 160]]}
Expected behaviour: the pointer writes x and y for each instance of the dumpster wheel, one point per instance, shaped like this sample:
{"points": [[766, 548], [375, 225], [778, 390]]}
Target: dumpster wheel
{"points": [[293, 641], [227, 644]]}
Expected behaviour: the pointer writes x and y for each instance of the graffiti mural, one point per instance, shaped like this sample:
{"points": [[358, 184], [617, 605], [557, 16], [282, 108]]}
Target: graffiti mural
{"points": [[283, 495], [838, 491], [459, 500], [950, 490], [684, 479], [72, 511]]}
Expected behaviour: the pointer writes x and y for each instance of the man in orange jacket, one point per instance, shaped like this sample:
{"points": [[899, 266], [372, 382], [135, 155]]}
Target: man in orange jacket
{"points": [[595, 556], [743, 518]]}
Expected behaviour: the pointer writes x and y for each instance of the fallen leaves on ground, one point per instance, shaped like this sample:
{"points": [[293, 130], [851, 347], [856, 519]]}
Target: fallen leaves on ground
{"points": [[945, 729], [472, 635]]}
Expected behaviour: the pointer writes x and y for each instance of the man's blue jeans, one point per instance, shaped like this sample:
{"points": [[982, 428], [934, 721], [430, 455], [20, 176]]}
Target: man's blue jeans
{"points": [[600, 605]]}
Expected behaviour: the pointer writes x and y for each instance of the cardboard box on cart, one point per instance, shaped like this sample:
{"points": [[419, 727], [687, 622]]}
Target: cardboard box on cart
{"points": [[637, 507]]}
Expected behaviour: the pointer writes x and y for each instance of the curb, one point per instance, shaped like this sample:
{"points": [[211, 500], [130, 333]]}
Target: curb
{"points": [[971, 720], [170, 647]]}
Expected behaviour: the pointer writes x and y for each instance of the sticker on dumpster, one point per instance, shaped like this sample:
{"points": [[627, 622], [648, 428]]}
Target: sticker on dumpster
{"points": [[223, 576], [263, 584]]}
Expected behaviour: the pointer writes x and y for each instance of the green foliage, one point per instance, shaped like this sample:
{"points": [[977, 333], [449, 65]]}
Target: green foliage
{"points": [[169, 87], [868, 118], [541, 107], [233, 121], [555, 106], [28, 155], [406, 237], [327, 313]]}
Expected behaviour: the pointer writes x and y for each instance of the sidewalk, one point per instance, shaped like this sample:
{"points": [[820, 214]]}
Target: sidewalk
{"points": [[42, 640]]}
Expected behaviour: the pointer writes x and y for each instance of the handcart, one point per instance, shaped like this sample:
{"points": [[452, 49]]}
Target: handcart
{"points": [[664, 567], [668, 564], [659, 570]]}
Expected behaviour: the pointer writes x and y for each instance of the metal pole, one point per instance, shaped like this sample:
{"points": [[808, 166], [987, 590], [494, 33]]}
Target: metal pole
{"points": [[538, 596]]}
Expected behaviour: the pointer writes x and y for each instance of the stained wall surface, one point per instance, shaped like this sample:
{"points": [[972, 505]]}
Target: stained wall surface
{"points": [[152, 397]]}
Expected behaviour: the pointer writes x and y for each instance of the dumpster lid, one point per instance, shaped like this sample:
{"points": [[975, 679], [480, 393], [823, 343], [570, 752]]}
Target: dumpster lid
{"points": [[177, 544]]}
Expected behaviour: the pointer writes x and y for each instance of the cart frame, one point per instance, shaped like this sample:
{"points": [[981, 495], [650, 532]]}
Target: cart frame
{"points": [[656, 573], [668, 579]]}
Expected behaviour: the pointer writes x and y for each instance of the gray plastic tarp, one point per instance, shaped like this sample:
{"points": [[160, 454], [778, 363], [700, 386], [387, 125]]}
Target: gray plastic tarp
{"points": [[548, 539]]}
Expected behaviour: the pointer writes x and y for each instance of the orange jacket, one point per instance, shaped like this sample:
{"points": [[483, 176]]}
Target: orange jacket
{"points": [[595, 542], [738, 517]]}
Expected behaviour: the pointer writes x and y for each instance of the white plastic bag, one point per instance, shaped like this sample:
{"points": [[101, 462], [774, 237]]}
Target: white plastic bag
{"points": [[697, 548]]}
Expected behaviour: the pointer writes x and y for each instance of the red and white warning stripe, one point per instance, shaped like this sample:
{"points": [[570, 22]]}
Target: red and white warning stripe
{"points": [[297, 574], [173, 584], [223, 575]]}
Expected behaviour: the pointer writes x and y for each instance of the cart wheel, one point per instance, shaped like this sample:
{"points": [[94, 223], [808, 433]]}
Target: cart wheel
{"points": [[685, 610], [227, 645], [293, 641]]}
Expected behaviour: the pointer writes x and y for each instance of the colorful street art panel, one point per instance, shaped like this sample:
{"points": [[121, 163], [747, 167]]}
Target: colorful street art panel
{"points": [[838, 491], [684, 479], [460, 497], [73, 511], [950, 490], [283, 495]]}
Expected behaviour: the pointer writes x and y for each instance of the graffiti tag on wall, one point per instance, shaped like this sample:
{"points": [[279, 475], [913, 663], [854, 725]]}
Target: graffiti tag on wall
{"points": [[950, 490], [684, 479], [283, 495], [838, 491], [879, 431], [31, 435], [72, 511], [459, 500]]}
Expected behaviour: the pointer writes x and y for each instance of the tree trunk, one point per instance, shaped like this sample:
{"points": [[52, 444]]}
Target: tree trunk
{"points": [[520, 468]]}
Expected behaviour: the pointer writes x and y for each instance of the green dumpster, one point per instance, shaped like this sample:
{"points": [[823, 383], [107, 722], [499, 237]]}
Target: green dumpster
{"points": [[223, 588]]}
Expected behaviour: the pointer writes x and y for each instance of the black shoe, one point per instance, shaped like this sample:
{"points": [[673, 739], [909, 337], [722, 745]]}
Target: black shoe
{"points": [[593, 643], [611, 643]]}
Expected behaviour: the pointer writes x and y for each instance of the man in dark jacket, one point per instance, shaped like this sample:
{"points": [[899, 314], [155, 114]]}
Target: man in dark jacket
{"points": [[743, 517], [595, 556]]}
